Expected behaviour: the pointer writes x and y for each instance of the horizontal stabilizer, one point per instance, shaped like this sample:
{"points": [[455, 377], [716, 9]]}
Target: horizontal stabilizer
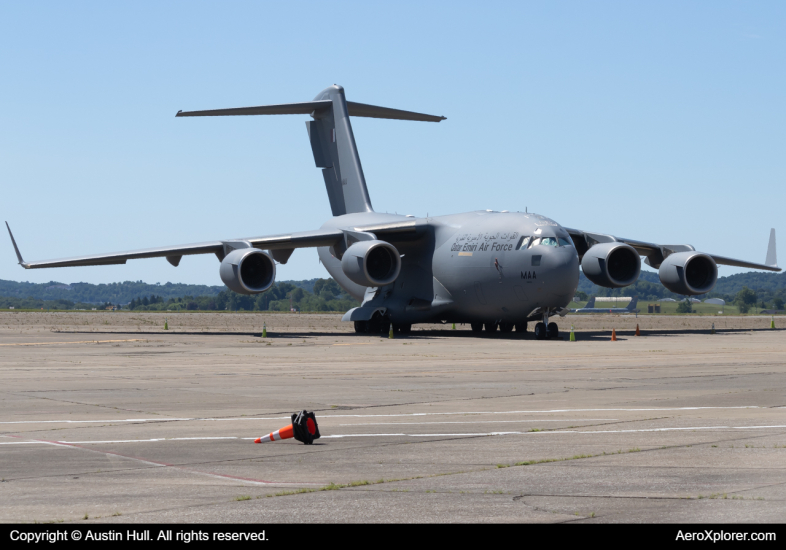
{"points": [[372, 111], [354, 109], [282, 109]]}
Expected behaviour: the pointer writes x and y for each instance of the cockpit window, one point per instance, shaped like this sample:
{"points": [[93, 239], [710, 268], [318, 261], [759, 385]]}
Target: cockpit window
{"points": [[523, 243], [550, 241]]}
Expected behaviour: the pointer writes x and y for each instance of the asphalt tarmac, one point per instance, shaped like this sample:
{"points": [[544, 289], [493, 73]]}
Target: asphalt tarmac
{"points": [[106, 417]]}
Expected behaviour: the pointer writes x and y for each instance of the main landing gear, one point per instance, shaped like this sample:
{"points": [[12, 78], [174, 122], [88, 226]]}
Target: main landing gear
{"points": [[380, 325]]}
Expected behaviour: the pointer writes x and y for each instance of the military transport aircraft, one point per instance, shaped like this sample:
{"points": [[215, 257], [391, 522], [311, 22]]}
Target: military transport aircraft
{"points": [[498, 269]]}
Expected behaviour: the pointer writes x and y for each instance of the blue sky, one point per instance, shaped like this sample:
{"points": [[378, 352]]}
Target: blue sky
{"points": [[661, 121]]}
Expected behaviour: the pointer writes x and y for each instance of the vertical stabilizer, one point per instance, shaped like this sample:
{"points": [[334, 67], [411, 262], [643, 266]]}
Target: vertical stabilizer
{"points": [[335, 151], [772, 258]]}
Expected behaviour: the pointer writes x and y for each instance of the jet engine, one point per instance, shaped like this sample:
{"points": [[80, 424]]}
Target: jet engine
{"points": [[371, 263], [248, 271], [611, 265], [688, 273]]}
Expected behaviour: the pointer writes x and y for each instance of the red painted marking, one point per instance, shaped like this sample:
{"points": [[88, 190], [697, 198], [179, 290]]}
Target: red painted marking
{"points": [[312, 428], [155, 462]]}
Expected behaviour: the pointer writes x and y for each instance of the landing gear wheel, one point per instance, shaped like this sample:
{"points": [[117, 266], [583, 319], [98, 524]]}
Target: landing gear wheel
{"points": [[553, 331], [506, 327], [385, 326], [521, 327], [492, 327], [374, 325], [361, 327], [476, 327], [540, 331]]}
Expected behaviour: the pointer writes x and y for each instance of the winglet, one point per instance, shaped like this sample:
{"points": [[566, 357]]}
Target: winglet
{"points": [[16, 248], [772, 258]]}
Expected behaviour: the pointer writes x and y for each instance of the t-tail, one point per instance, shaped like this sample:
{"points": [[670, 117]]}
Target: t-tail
{"points": [[632, 304], [590, 304], [332, 141]]}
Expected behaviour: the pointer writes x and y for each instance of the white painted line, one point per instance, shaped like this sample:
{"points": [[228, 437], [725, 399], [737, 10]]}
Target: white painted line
{"points": [[548, 411], [339, 436], [480, 422], [678, 429], [96, 421], [554, 432], [324, 416]]}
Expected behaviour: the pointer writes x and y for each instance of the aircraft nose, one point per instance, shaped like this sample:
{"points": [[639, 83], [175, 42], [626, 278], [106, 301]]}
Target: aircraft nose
{"points": [[562, 266]]}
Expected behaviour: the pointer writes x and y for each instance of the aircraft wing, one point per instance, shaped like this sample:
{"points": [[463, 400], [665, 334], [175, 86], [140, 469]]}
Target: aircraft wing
{"points": [[285, 243], [656, 253], [290, 241]]}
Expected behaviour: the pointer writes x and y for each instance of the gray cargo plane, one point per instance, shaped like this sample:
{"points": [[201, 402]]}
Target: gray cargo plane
{"points": [[498, 269]]}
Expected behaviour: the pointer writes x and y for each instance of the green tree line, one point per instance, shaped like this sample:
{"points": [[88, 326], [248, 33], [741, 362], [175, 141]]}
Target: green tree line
{"points": [[326, 296], [753, 289]]}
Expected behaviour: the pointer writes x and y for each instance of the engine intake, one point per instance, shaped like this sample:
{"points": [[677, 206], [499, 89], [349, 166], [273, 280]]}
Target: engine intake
{"points": [[688, 273], [611, 265], [248, 271], [371, 263]]}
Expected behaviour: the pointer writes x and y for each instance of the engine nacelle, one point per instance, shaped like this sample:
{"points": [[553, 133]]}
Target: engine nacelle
{"points": [[371, 263], [248, 271], [611, 265], [688, 273]]}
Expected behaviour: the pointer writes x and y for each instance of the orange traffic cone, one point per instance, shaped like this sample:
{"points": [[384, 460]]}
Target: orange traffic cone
{"points": [[613, 335], [638, 332], [303, 428]]}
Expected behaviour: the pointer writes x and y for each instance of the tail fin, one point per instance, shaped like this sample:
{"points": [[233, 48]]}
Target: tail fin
{"points": [[332, 141], [632, 304], [772, 258], [590, 304]]}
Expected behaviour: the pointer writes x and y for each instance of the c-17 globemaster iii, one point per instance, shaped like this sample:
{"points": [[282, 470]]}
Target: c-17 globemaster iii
{"points": [[498, 269]]}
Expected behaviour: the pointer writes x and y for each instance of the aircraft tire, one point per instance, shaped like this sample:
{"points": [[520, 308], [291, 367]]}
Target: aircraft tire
{"points": [[506, 327], [540, 331], [553, 330], [406, 328], [375, 324], [361, 327], [492, 327], [521, 327]]}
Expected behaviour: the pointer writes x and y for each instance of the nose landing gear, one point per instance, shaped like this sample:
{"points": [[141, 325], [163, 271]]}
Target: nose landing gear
{"points": [[544, 329]]}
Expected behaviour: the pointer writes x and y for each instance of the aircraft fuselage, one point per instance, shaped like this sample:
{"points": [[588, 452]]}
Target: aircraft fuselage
{"points": [[471, 267]]}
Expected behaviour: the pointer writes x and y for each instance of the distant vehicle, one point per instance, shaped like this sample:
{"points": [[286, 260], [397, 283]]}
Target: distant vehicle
{"points": [[590, 307]]}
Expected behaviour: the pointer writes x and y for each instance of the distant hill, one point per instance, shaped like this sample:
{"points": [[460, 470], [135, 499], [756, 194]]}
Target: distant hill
{"points": [[115, 293], [648, 287]]}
